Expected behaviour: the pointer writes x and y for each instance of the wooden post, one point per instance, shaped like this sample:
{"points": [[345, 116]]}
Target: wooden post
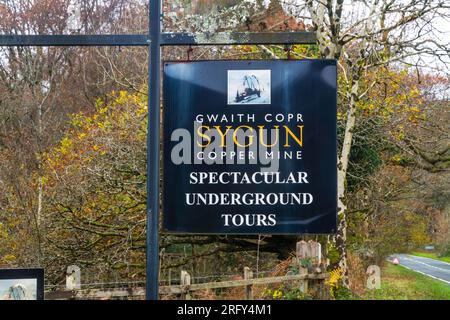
{"points": [[302, 250], [311, 251], [303, 283], [185, 283], [323, 293], [315, 251], [248, 274], [73, 278]]}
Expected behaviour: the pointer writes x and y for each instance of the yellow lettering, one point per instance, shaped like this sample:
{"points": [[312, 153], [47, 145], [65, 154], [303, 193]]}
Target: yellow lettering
{"points": [[298, 139], [223, 134], [202, 135], [250, 142], [261, 136]]}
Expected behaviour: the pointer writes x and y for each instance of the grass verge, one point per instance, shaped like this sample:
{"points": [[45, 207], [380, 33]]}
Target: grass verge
{"points": [[400, 283]]}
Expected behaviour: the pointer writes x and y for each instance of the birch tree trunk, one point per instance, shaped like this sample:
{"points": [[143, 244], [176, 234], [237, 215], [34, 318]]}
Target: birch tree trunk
{"points": [[341, 236], [331, 48]]}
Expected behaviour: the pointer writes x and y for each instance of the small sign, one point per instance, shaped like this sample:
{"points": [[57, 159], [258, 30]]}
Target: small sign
{"points": [[250, 147], [21, 284], [373, 277]]}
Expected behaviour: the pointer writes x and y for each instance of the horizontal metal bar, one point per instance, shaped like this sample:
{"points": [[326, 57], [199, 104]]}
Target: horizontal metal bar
{"points": [[230, 38], [74, 40], [167, 39]]}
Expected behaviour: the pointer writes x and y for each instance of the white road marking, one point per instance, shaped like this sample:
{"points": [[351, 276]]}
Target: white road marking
{"points": [[426, 274], [421, 272], [426, 264], [424, 258]]}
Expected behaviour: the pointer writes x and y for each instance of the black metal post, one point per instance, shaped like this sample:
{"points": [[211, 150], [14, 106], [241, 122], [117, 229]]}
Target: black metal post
{"points": [[153, 141]]}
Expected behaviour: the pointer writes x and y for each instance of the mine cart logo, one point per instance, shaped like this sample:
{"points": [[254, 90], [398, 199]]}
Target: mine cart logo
{"points": [[249, 87]]}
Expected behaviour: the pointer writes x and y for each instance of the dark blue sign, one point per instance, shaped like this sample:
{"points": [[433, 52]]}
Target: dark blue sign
{"points": [[250, 147]]}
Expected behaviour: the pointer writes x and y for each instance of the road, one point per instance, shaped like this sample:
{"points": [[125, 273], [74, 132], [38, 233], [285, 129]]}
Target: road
{"points": [[439, 270]]}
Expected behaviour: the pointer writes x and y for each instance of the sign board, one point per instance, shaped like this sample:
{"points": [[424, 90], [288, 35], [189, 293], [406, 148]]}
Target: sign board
{"points": [[249, 147], [21, 284]]}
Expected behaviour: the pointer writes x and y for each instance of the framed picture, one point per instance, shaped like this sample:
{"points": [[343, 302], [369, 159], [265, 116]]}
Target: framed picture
{"points": [[249, 87], [21, 284]]}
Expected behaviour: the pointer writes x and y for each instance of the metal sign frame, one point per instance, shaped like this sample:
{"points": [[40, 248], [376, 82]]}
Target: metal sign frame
{"points": [[154, 40]]}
